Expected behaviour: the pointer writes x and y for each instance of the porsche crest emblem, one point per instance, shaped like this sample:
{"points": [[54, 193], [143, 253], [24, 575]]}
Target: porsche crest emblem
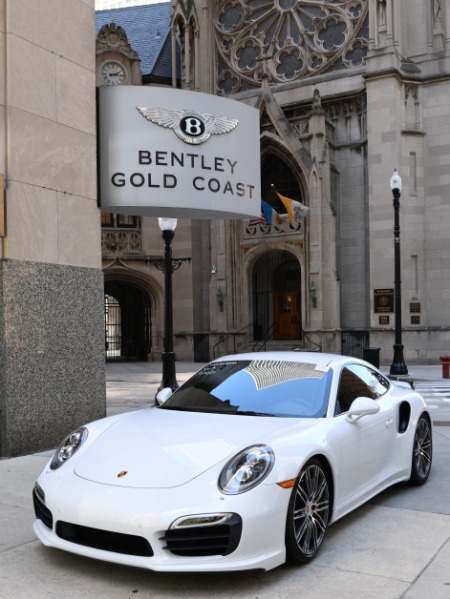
{"points": [[122, 473], [190, 126]]}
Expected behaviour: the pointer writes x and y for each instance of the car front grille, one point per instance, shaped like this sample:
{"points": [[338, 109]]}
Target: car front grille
{"points": [[105, 540], [198, 541], [40, 509]]}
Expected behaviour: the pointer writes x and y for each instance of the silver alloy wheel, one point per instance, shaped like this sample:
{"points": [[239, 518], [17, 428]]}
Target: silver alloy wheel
{"points": [[308, 514], [422, 451]]}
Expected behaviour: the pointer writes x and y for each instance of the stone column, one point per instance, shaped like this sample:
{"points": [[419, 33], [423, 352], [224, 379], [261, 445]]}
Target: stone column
{"points": [[52, 375], [322, 268]]}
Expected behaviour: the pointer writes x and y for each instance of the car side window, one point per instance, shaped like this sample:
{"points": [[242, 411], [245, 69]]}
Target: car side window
{"points": [[358, 380]]}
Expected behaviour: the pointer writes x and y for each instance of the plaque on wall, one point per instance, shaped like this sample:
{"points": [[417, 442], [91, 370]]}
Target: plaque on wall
{"points": [[384, 319], [383, 301], [415, 319], [414, 307]]}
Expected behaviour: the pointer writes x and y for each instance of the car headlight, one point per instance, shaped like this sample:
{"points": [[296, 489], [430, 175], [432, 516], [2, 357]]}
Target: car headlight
{"points": [[68, 447], [246, 470]]}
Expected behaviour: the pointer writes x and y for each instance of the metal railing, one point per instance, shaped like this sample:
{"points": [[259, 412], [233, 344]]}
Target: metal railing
{"points": [[354, 342], [308, 338], [233, 334], [261, 344]]}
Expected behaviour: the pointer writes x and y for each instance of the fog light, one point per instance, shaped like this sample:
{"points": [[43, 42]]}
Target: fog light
{"points": [[200, 520]]}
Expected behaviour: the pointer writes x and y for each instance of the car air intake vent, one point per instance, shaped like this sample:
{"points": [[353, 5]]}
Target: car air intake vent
{"points": [[104, 540], [41, 511], [199, 541]]}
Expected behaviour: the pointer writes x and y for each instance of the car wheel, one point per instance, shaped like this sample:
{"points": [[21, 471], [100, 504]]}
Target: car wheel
{"points": [[422, 452], [308, 513]]}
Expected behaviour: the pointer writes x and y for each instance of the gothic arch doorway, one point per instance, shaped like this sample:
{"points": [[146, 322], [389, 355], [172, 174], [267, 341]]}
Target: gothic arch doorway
{"points": [[127, 322], [277, 296], [278, 174]]}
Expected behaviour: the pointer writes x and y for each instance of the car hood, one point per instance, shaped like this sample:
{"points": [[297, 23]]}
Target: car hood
{"points": [[158, 448]]}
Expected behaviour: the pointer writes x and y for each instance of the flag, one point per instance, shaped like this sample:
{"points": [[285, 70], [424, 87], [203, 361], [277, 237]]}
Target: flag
{"points": [[253, 222], [270, 215], [294, 209], [258, 221]]}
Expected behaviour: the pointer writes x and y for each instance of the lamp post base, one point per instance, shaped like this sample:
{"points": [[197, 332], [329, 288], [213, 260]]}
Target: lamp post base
{"points": [[169, 378], [398, 366]]}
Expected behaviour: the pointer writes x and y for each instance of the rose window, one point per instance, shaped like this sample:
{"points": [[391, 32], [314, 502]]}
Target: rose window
{"points": [[285, 40]]}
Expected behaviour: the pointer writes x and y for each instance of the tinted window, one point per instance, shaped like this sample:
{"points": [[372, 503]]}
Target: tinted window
{"points": [[258, 387], [359, 381]]}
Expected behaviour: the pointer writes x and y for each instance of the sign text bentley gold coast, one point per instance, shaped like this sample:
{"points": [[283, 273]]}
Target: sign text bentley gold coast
{"points": [[179, 162]]}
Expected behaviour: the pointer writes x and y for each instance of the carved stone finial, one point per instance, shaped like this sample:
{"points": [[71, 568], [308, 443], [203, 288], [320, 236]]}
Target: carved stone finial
{"points": [[113, 37], [317, 102]]}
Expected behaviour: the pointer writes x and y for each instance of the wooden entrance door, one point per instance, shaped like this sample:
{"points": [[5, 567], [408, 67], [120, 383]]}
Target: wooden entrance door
{"points": [[287, 315]]}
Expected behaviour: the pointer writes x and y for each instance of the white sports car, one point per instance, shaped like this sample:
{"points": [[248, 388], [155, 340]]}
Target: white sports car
{"points": [[243, 467]]}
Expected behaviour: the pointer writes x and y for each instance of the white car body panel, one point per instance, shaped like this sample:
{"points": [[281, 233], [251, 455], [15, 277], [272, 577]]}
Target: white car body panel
{"points": [[197, 441], [139, 472]]}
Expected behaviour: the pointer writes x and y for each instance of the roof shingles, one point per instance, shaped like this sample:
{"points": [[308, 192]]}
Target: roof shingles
{"points": [[147, 30]]}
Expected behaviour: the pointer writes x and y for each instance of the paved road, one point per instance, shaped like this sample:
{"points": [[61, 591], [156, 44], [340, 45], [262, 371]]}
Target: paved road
{"points": [[437, 395], [395, 547]]}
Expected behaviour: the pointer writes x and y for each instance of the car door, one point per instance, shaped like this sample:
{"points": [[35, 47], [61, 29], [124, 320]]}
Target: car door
{"points": [[367, 444]]}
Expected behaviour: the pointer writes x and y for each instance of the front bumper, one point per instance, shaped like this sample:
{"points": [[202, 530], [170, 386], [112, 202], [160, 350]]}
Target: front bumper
{"points": [[133, 526]]}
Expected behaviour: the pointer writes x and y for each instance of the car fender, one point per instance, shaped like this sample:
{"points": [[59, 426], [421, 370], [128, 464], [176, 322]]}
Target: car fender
{"points": [[291, 455]]}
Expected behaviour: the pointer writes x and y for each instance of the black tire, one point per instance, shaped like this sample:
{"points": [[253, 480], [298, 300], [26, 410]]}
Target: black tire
{"points": [[308, 513], [422, 453]]}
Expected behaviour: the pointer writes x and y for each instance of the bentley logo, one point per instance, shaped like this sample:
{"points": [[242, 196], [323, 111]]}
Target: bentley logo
{"points": [[190, 126], [122, 473]]}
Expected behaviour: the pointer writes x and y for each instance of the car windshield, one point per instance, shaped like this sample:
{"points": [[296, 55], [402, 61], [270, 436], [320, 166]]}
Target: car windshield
{"points": [[256, 388]]}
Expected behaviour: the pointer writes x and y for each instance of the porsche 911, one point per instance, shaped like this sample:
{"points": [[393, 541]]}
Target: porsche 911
{"points": [[245, 466]]}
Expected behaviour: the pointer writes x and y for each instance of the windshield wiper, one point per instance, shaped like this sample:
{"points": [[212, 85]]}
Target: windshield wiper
{"points": [[177, 408], [215, 411], [251, 413], [238, 412]]}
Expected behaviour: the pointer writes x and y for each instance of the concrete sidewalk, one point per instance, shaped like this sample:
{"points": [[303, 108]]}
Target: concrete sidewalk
{"points": [[396, 546]]}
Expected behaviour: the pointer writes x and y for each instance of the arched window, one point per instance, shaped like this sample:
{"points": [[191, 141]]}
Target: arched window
{"points": [[277, 176], [127, 322]]}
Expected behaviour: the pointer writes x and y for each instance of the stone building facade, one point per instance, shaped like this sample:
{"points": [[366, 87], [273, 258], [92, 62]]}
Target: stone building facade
{"points": [[347, 91], [52, 375]]}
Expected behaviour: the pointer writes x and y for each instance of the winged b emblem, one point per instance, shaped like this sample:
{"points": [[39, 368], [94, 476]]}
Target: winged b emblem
{"points": [[190, 126]]}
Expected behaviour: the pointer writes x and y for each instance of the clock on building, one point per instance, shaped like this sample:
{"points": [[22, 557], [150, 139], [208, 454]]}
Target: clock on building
{"points": [[113, 73]]}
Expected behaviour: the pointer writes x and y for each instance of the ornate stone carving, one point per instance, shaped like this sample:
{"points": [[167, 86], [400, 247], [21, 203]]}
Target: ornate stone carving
{"points": [[259, 228], [285, 40], [437, 14], [112, 37], [120, 242]]}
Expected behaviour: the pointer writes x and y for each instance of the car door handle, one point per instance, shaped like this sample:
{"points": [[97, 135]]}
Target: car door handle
{"points": [[389, 422]]}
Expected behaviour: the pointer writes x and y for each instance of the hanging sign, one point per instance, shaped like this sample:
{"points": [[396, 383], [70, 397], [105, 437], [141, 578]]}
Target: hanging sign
{"points": [[176, 153]]}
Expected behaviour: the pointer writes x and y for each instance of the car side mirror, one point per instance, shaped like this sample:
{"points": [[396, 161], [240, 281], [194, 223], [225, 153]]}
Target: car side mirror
{"points": [[163, 395], [362, 406]]}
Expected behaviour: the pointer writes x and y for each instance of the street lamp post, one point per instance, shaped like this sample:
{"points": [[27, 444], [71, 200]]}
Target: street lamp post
{"points": [[398, 366], [167, 226], [167, 265]]}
